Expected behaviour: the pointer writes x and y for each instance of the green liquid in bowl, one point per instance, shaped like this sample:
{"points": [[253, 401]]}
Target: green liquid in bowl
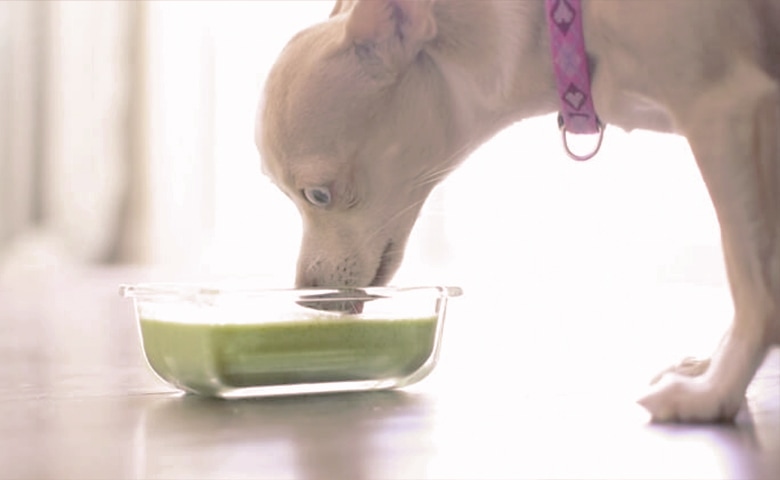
{"points": [[212, 358]]}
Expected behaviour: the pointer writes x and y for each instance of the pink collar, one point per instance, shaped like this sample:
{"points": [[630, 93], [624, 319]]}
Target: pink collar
{"points": [[577, 114]]}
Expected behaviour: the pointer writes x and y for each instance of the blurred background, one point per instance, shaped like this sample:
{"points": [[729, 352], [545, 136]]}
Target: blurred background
{"points": [[126, 138]]}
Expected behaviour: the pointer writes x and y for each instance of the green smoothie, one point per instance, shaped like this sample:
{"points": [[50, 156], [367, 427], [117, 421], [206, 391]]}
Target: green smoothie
{"points": [[207, 358]]}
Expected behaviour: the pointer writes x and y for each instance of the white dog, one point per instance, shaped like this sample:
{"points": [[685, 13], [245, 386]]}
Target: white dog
{"points": [[364, 113]]}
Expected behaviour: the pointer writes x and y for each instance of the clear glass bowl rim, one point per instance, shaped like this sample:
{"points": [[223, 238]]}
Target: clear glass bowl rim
{"points": [[185, 291]]}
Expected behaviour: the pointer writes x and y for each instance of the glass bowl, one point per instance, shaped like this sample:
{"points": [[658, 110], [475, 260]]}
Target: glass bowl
{"points": [[238, 342]]}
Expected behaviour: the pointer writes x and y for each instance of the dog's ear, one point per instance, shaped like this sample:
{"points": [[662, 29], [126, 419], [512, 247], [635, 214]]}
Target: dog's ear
{"points": [[393, 30]]}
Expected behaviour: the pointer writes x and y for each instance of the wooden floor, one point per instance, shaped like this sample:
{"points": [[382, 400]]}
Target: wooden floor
{"points": [[529, 385]]}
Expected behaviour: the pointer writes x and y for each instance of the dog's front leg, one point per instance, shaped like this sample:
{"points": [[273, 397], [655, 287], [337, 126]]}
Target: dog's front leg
{"points": [[734, 128]]}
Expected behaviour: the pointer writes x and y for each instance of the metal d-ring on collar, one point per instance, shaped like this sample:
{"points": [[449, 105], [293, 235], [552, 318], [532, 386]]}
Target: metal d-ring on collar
{"points": [[572, 78], [574, 156]]}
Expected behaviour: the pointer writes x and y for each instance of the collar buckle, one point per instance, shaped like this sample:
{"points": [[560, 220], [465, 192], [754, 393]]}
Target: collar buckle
{"points": [[574, 156]]}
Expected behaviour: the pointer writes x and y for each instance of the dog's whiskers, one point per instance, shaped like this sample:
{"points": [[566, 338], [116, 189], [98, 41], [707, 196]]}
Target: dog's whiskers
{"points": [[427, 177], [370, 237], [435, 174]]}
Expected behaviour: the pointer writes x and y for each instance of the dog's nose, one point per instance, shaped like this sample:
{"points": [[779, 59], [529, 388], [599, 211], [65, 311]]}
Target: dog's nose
{"points": [[309, 276], [332, 297]]}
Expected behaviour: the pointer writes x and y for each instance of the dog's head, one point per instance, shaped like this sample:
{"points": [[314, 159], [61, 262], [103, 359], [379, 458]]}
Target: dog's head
{"points": [[353, 129]]}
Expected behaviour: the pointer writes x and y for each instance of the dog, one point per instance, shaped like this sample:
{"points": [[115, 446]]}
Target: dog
{"points": [[364, 113]]}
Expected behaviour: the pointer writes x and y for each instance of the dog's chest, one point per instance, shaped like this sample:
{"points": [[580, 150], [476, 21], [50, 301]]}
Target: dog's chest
{"points": [[631, 111]]}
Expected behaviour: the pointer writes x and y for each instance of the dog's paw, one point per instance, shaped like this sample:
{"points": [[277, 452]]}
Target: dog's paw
{"points": [[680, 398], [688, 367]]}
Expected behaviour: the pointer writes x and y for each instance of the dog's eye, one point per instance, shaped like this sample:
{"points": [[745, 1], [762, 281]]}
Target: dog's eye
{"points": [[317, 196]]}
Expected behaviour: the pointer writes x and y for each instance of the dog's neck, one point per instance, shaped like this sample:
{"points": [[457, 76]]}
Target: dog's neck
{"points": [[496, 76]]}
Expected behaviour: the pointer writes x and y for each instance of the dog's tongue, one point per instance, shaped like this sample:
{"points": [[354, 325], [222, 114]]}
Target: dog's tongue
{"points": [[357, 307], [349, 301]]}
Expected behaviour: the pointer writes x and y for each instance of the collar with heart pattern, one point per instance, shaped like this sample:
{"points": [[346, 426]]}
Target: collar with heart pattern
{"points": [[572, 76]]}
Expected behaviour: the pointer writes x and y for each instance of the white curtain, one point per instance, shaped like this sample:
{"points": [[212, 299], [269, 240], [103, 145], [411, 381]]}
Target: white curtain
{"points": [[114, 115], [68, 130]]}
